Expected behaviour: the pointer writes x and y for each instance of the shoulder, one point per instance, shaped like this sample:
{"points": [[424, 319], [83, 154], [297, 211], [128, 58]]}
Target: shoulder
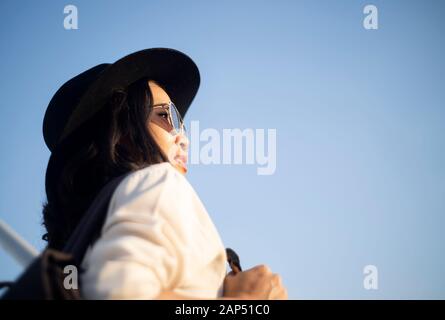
{"points": [[156, 175], [155, 190], [150, 174]]}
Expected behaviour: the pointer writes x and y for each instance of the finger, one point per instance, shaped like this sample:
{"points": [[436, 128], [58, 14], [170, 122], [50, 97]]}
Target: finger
{"points": [[278, 290], [277, 293], [276, 280], [235, 268], [282, 295], [231, 273], [262, 268], [285, 295]]}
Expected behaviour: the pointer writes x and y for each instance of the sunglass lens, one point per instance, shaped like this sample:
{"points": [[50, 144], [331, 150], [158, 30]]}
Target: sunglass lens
{"points": [[176, 118]]}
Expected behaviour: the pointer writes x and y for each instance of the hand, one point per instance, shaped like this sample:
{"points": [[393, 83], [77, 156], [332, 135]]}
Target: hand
{"points": [[257, 283]]}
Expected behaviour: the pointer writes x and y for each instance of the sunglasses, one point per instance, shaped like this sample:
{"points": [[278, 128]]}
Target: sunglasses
{"points": [[169, 118]]}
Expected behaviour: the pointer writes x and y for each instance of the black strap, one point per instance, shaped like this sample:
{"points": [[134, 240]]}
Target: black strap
{"points": [[91, 223]]}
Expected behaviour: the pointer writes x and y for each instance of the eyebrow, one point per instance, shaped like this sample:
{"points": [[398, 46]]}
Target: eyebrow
{"points": [[161, 104]]}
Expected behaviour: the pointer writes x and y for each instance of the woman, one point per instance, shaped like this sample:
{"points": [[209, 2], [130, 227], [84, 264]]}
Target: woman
{"points": [[157, 240]]}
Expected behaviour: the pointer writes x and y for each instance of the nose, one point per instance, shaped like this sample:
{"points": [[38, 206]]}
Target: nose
{"points": [[182, 141]]}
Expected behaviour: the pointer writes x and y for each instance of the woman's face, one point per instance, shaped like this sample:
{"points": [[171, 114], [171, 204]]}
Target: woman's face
{"points": [[174, 147]]}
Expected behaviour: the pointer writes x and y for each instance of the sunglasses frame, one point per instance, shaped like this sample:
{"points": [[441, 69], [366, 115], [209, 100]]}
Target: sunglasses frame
{"points": [[172, 108]]}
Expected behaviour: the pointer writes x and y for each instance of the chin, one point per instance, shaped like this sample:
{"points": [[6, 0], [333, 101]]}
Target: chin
{"points": [[181, 169]]}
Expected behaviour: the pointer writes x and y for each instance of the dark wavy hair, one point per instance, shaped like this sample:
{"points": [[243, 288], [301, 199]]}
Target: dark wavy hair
{"points": [[115, 141]]}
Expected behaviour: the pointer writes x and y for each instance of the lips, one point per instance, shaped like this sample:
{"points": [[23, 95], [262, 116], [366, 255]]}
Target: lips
{"points": [[181, 160]]}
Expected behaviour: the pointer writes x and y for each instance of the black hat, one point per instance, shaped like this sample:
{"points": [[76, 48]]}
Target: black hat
{"points": [[81, 97]]}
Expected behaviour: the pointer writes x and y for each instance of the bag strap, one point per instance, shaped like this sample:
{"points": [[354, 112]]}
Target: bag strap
{"points": [[89, 227]]}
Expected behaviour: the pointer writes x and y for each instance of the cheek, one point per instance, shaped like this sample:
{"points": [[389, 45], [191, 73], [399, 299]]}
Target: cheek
{"points": [[164, 139]]}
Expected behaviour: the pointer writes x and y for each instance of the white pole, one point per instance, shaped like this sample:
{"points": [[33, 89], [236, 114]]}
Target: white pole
{"points": [[16, 246]]}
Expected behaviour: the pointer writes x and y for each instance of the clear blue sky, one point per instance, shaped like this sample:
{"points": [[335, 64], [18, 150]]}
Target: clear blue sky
{"points": [[359, 114]]}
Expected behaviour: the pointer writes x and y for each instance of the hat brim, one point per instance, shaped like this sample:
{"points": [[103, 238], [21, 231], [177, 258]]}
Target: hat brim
{"points": [[172, 69]]}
